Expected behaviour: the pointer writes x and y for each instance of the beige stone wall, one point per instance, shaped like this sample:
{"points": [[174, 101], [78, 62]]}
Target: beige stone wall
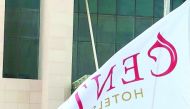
{"points": [[20, 94], [56, 51]]}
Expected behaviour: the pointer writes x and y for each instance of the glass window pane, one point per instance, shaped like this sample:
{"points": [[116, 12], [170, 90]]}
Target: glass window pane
{"points": [[22, 20], [158, 8], [75, 27], [84, 31], [29, 23], [92, 6], [26, 20], [142, 23], [107, 6], [76, 6], [144, 7], [74, 61], [31, 4], [125, 29], [85, 58], [104, 52], [126, 7], [106, 28], [10, 63], [10, 4], [11, 22], [20, 59]]}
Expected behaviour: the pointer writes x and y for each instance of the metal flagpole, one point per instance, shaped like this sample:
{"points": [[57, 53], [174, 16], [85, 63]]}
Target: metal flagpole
{"points": [[166, 11], [166, 7], [92, 36]]}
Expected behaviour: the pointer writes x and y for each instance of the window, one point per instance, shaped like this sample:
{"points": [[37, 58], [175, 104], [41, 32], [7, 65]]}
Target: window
{"points": [[126, 7], [125, 29], [142, 23], [144, 7], [106, 29], [84, 27], [21, 40], [106, 6]]}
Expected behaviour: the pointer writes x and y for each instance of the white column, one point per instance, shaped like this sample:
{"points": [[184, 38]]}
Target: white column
{"points": [[55, 58], [2, 15]]}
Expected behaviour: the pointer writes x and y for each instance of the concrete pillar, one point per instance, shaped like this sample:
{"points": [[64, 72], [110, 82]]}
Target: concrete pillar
{"points": [[55, 58]]}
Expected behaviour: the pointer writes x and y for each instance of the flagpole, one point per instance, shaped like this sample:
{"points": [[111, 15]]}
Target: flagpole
{"points": [[92, 36], [166, 7]]}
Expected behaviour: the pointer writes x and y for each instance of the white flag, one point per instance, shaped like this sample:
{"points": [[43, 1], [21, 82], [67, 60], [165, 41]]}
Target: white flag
{"points": [[151, 72]]}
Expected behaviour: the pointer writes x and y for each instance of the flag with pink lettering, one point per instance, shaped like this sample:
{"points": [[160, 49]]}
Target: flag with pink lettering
{"points": [[151, 72]]}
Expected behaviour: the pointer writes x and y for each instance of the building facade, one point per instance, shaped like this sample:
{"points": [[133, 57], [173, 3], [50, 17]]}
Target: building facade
{"points": [[35, 53], [45, 44], [115, 23]]}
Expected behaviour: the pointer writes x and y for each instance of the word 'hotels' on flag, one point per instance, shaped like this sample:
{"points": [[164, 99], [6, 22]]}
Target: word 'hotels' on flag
{"points": [[151, 72]]}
